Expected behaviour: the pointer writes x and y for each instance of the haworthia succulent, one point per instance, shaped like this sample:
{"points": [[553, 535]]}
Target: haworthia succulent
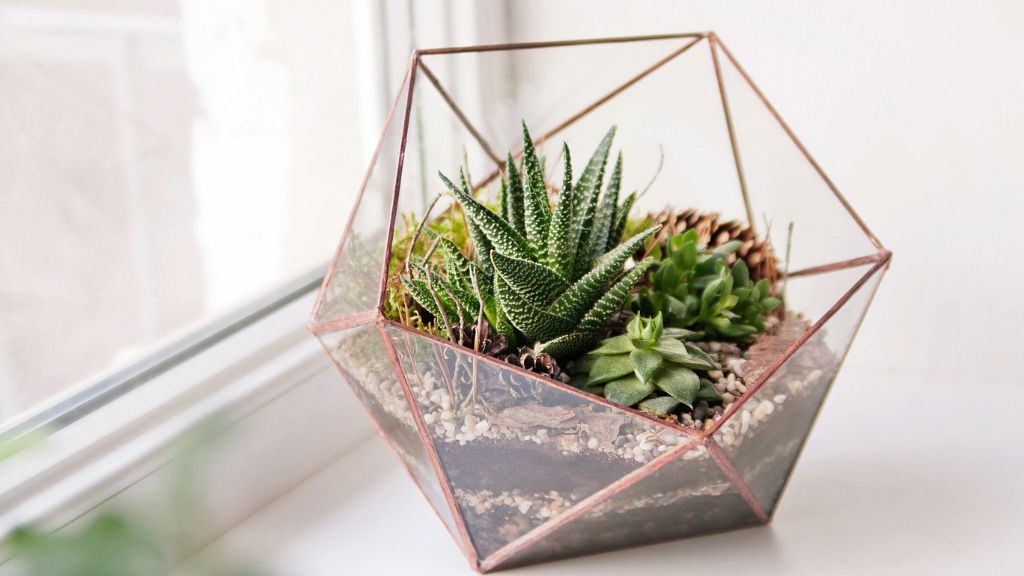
{"points": [[537, 211], [544, 273], [561, 252], [499, 234]]}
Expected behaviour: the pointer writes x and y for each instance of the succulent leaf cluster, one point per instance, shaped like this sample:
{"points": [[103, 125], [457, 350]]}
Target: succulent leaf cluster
{"points": [[651, 367], [697, 289], [550, 274]]}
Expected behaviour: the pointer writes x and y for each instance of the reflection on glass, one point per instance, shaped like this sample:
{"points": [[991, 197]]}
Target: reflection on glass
{"points": [[164, 163]]}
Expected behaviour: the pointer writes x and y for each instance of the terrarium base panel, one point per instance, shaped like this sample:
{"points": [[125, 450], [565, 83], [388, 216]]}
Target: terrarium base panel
{"points": [[534, 471]]}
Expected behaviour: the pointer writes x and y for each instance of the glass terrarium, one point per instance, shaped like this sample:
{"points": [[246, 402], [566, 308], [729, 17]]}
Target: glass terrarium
{"points": [[522, 468]]}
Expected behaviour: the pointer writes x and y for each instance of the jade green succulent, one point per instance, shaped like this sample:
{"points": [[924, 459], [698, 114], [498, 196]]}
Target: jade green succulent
{"points": [[651, 367], [548, 275], [697, 289]]}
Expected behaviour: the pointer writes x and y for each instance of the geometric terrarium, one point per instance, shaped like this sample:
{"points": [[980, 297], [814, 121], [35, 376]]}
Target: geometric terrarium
{"points": [[522, 467]]}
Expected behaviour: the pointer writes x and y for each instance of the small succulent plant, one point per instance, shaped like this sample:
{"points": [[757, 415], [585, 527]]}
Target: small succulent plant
{"points": [[548, 276], [697, 289], [651, 367]]}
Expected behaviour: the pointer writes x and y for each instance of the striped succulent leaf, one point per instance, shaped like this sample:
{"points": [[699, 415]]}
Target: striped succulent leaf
{"points": [[604, 219], [514, 198], [561, 251], [536, 210], [588, 188], [498, 233]]}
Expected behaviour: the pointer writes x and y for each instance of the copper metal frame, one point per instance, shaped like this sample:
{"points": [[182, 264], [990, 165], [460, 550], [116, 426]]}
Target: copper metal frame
{"points": [[876, 263]]}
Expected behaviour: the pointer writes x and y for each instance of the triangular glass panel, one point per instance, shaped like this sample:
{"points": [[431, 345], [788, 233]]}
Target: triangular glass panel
{"points": [[360, 356], [763, 434], [519, 450], [685, 496]]}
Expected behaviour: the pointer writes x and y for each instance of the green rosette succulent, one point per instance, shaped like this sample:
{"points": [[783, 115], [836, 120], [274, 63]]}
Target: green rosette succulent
{"points": [[697, 289], [651, 367]]}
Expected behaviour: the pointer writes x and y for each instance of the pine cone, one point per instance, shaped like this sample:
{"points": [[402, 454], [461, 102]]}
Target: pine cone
{"points": [[490, 344], [714, 231], [542, 363]]}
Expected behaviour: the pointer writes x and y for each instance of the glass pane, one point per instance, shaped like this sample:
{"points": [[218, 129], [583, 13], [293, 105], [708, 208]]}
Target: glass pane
{"points": [[360, 357], [784, 187], [519, 450], [353, 283], [164, 164], [765, 433], [687, 496], [661, 95]]}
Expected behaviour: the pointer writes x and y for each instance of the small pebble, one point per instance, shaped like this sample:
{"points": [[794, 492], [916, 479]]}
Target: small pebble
{"points": [[716, 374], [728, 398], [482, 426], [736, 365], [429, 418], [779, 398], [593, 443]]}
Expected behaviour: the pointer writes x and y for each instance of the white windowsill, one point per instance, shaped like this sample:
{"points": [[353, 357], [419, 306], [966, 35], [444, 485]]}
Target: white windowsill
{"points": [[884, 500], [271, 392]]}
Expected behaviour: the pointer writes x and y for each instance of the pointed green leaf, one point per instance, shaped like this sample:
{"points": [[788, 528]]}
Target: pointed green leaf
{"points": [[580, 297], [673, 350], [607, 368], [588, 188], [537, 210], [645, 363], [701, 356], [610, 303], [727, 248], [659, 406], [535, 323], [496, 318], [616, 345], [707, 392], [516, 209], [621, 217], [740, 273], [627, 391], [561, 251], [604, 220], [503, 199], [567, 345], [421, 294], [680, 383], [681, 333], [536, 283], [499, 233]]}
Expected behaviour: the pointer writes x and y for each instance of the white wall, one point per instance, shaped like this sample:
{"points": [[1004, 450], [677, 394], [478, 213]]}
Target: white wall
{"points": [[914, 109]]}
